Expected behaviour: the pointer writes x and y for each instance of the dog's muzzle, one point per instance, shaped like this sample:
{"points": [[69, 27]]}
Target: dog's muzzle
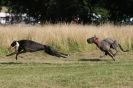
{"points": [[89, 40]]}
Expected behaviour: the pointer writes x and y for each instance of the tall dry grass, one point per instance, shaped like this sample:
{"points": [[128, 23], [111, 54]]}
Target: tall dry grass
{"points": [[66, 37]]}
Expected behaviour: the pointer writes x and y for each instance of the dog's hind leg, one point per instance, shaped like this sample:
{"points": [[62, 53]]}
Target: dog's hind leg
{"points": [[122, 48], [115, 52]]}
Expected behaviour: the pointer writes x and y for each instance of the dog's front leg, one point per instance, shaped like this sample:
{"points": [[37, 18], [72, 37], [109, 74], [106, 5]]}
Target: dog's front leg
{"points": [[19, 52], [16, 52], [17, 55], [11, 54]]}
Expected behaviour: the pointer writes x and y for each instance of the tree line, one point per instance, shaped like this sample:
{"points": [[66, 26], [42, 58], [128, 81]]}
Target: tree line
{"points": [[65, 10]]}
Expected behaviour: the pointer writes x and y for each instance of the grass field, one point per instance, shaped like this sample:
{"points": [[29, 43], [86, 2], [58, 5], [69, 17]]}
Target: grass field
{"points": [[82, 69], [79, 70]]}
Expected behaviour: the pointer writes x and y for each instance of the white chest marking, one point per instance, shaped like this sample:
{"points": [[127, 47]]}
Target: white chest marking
{"points": [[16, 46]]}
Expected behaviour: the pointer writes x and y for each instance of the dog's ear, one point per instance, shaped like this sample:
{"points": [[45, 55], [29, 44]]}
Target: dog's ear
{"points": [[14, 40], [97, 38]]}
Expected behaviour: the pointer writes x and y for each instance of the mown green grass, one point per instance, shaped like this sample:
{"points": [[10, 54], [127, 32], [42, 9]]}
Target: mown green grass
{"points": [[76, 71]]}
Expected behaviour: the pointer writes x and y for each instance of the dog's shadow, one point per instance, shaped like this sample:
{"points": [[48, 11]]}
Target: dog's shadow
{"points": [[92, 59], [19, 63], [89, 60], [10, 63]]}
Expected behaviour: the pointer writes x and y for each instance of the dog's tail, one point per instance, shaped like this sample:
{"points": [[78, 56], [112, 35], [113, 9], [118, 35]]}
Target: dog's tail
{"points": [[122, 48], [51, 51]]}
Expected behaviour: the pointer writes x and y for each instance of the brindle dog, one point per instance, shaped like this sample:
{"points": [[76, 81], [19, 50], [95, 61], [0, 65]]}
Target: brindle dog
{"points": [[106, 45], [23, 46]]}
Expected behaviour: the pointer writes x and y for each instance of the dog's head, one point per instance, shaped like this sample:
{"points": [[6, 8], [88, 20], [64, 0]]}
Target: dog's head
{"points": [[92, 39], [13, 44]]}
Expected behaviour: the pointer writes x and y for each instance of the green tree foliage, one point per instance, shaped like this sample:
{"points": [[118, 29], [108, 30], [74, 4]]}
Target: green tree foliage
{"points": [[64, 10], [118, 8]]}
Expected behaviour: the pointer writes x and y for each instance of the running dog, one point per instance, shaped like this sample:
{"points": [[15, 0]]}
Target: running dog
{"points": [[106, 45], [23, 46]]}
